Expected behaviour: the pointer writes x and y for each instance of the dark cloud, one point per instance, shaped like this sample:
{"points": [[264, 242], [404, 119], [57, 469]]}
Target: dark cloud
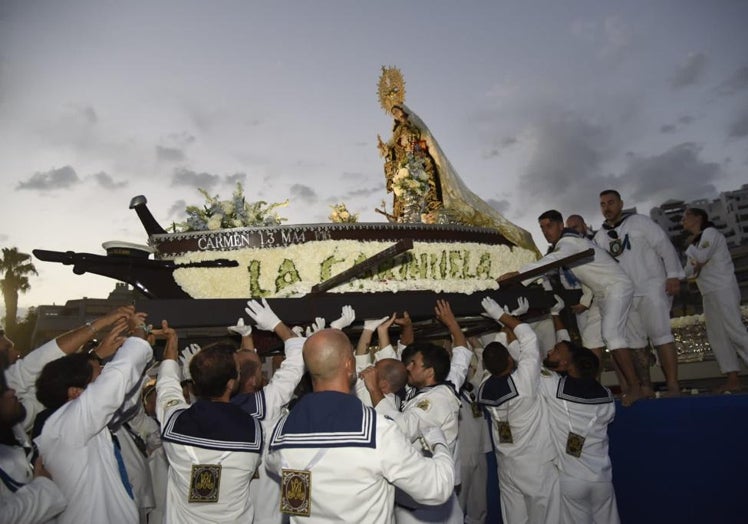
{"points": [[181, 139], [62, 178], [185, 177], [304, 193], [236, 177], [502, 206], [667, 128], [89, 114], [169, 154], [738, 81], [107, 182], [565, 166], [504, 143], [685, 119], [690, 71], [177, 209], [363, 192], [739, 127], [679, 172]]}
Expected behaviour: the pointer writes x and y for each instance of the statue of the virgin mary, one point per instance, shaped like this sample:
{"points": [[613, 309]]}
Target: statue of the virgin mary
{"points": [[417, 169]]}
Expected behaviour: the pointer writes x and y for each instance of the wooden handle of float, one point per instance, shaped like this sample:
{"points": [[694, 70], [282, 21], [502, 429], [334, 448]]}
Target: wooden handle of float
{"points": [[371, 262], [542, 270]]}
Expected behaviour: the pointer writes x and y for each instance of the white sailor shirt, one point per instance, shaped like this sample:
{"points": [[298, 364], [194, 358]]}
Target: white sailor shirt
{"points": [[216, 434], [356, 458]]}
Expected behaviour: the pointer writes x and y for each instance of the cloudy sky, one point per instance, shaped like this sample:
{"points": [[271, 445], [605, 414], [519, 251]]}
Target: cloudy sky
{"points": [[537, 104]]}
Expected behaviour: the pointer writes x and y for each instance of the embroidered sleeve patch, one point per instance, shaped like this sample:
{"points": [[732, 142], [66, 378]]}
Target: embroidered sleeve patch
{"points": [[424, 404], [205, 483], [296, 492]]}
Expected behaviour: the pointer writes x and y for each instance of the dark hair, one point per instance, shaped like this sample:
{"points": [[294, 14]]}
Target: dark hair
{"points": [[70, 371], [496, 358], [211, 368], [552, 215], [611, 192], [434, 357], [407, 354], [584, 360], [698, 212]]}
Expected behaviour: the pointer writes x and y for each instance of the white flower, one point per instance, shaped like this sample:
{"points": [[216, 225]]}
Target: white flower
{"points": [[227, 206], [215, 222]]}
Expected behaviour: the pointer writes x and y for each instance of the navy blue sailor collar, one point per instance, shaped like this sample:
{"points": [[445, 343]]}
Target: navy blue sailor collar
{"points": [[494, 391], [583, 391], [253, 404], [220, 426], [326, 419]]}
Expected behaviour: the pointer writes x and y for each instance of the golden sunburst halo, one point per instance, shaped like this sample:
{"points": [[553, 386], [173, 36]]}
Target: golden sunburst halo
{"points": [[391, 88]]}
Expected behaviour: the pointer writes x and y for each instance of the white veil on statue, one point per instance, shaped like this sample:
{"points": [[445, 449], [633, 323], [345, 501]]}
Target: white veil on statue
{"points": [[461, 204]]}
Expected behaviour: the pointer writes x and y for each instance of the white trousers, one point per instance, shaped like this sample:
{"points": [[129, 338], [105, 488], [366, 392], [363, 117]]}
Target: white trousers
{"points": [[473, 489], [724, 328], [584, 502], [529, 491]]}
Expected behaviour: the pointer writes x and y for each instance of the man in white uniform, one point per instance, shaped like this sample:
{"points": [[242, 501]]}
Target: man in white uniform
{"points": [[27, 494], [710, 263], [434, 403], [340, 461], [213, 446], [579, 411], [266, 402], [587, 312], [75, 444], [651, 262], [33, 503], [611, 289], [528, 479]]}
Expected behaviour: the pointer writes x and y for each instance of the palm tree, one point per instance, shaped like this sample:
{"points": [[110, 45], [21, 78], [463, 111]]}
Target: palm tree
{"points": [[15, 268]]}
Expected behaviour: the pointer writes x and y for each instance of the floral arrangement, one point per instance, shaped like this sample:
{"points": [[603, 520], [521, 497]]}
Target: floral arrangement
{"points": [[341, 215], [411, 180], [291, 271], [227, 214]]}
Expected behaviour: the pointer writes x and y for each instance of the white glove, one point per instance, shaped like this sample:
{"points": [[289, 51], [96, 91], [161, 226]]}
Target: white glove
{"points": [[319, 323], [187, 354], [263, 316], [298, 330], [347, 318], [523, 305], [240, 328], [492, 309], [373, 324], [558, 306], [434, 436]]}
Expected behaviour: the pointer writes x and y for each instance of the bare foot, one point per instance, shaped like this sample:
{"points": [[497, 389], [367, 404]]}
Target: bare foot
{"points": [[673, 390], [632, 396], [728, 388], [647, 392]]}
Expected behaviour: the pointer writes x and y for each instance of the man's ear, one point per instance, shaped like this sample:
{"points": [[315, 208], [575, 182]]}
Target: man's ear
{"points": [[231, 384], [74, 392]]}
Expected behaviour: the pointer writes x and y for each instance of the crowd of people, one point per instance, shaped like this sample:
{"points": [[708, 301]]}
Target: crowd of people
{"points": [[386, 431]]}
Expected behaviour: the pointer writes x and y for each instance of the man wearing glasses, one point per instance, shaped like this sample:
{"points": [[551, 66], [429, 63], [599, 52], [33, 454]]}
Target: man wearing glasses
{"points": [[650, 260]]}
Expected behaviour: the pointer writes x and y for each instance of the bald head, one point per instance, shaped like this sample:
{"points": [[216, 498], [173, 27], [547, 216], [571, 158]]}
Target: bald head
{"points": [[576, 223], [328, 355], [393, 375]]}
